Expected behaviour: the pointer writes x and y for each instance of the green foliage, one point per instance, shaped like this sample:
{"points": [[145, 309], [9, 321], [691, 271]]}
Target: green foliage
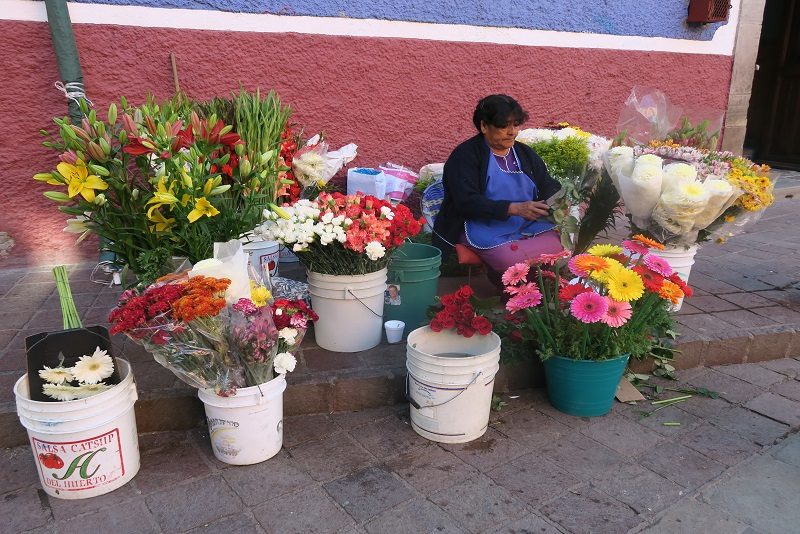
{"points": [[152, 264], [565, 158], [600, 213]]}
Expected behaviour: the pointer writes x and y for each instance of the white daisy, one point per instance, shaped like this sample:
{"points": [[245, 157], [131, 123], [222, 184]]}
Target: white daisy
{"points": [[60, 392], [284, 363], [87, 390], [56, 375], [92, 369]]}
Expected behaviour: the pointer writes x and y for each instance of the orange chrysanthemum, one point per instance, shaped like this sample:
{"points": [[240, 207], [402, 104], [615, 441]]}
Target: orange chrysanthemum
{"points": [[670, 291], [203, 297], [652, 243]]}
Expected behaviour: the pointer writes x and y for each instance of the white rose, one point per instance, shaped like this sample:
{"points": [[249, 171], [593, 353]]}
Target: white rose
{"points": [[284, 363], [375, 250]]}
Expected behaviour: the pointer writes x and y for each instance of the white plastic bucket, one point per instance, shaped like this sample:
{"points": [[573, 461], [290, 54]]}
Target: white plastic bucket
{"points": [[247, 427], [86, 447], [287, 256], [264, 256], [350, 309], [394, 331], [450, 383], [681, 260]]}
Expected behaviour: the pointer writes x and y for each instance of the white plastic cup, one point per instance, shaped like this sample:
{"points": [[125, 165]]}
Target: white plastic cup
{"points": [[394, 331]]}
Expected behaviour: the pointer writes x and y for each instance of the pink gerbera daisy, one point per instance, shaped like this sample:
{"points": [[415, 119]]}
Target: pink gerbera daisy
{"points": [[523, 301], [617, 313], [530, 287], [551, 259], [515, 274], [635, 247], [659, 265], [589, 307]]}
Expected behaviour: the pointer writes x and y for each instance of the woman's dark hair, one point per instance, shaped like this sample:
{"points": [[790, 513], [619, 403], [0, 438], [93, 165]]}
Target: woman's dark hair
{"points": [[498, 110]]}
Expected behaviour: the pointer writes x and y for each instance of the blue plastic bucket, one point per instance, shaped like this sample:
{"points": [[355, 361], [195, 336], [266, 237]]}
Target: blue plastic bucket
{"points": [[585, 388]]}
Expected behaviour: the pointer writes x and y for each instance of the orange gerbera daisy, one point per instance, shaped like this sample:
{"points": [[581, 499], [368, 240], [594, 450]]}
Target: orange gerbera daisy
{"points": [[652, 243], [586, 264], [670, 291]]}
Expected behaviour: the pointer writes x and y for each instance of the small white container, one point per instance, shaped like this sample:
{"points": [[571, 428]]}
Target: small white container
{"points": [[394, 331]]}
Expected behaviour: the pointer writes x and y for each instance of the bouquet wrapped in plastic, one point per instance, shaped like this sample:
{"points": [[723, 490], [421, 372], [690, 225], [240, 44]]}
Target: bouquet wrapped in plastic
{"points": [[681, 194]]}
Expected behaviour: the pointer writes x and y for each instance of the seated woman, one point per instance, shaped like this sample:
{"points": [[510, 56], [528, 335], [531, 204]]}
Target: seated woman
{"points": [[495, 190]]}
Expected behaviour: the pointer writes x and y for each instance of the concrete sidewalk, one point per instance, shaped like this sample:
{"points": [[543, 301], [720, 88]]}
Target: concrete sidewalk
{"points": [[732, 466]]}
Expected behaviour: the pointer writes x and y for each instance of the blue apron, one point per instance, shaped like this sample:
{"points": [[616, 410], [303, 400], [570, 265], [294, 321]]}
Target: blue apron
{"points": [[503, 185]]}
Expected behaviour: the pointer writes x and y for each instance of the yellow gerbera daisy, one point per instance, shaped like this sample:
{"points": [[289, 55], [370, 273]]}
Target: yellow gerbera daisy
{"points": [[625, 285], [605, 249]]}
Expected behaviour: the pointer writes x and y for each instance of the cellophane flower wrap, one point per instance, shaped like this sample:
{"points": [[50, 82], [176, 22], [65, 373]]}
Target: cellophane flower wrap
{"points": [[459, 311], [253, 340], [183, 323], [610, 301], [341, 234]]}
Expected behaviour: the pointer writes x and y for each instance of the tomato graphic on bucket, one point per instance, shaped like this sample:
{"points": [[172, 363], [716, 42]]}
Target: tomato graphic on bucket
{"points": [[51, 460]]}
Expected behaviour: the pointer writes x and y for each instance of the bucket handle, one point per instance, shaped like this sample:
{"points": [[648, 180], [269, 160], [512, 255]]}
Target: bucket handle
{"points": [[416, 405], [350, 291]]}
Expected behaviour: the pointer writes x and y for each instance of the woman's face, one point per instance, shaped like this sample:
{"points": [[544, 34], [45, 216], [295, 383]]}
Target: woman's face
{"points": [[500, 139]]}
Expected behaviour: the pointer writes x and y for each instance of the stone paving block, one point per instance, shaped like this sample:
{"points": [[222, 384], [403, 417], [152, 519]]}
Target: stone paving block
{"points": [[33, 292], [368, 492], [704, 407], [787, 366], [561, 417], [350, 420], [691, 516], [241, 523], [151, 375], [430, 468], [779, 314], [479, 504], [682, 465], [392, 356], [331, 457], [763, 494], [388, 437], [721, 445], [303, 398], [784, 297], [748, 300], [318, 359], [671, 414], [688, 309], [788, 451], [639, 488], [730, 388], [586, 510], [301, 428], [750, 425], [15, 319], [528, 525], [22, 510], [753, 374], [776, 407], [309, 511], [727, 348], [789, 389], [367, 389], [63, 509], [18, 468], [622, 435], [195, 503], [170, 466], [533, 479], [413, 517], [132, 518], [267, 480], [488, 451], [530, 427], [712, 285], [691, 353], [582, 456], [707, 325], [712, 303], [744, 319]]}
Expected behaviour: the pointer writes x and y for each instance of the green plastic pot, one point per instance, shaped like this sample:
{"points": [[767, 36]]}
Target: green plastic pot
{"points": [[585, 388]]}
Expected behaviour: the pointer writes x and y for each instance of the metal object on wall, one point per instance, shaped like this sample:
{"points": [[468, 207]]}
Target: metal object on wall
{"points": [[705, 11]]}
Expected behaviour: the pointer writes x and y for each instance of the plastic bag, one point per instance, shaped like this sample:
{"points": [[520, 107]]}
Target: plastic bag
{"points": [[367, 181], [399, 181]]}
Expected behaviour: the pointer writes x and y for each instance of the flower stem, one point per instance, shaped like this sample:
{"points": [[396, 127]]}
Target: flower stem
{"points": [[68, 311]]}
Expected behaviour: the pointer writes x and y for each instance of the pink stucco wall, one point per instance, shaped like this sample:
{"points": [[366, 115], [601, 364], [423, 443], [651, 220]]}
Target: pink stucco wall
{"points": [[406, 101]]}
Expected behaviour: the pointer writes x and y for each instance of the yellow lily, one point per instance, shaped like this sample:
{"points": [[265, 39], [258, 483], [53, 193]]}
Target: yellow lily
{"points": [[79, 181], [202, 207], [162, 224], [208, 187], [162, 196]]}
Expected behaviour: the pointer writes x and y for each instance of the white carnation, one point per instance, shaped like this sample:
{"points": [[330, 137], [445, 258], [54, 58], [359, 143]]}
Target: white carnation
{"points": [[284, 363], [375, 250], [289, 335]]}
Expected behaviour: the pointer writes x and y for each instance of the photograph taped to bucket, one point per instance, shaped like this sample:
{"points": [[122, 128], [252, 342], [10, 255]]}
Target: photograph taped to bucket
{"points": [[246, 428], [86, 447], [450, 383]]}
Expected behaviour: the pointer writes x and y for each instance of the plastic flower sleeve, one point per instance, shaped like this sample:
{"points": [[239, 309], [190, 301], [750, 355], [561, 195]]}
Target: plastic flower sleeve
{"points": [[253, 340]]}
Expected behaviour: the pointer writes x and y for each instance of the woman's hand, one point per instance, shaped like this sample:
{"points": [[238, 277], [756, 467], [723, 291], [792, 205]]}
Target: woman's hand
{"points": [[530, 210]]}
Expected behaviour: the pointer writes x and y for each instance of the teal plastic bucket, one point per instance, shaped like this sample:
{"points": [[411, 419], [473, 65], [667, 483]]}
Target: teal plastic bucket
{"points": [[412, 284], [585, 388]]}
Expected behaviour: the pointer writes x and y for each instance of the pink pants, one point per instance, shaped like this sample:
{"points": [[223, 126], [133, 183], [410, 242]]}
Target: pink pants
{"points": [[502, 257]]}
